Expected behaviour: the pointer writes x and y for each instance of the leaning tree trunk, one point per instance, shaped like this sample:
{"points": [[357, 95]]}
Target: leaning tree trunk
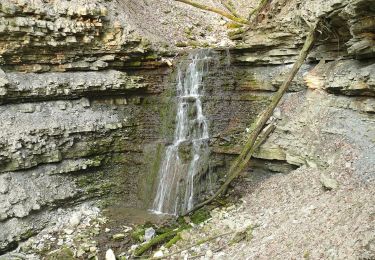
{"points": [[248, 150]]}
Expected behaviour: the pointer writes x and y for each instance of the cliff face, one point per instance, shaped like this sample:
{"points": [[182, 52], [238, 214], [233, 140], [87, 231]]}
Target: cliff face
{"points": [[86, 92], [73, 127]]}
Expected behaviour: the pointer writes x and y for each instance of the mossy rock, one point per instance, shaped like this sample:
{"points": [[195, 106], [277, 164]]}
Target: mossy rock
{"points": [[138, 234], [61, 254], [200, 215], [246, 234], [181, 44]]}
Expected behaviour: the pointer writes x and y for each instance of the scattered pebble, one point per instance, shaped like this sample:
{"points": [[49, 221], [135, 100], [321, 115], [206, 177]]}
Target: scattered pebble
{"points": [[119, 236]]}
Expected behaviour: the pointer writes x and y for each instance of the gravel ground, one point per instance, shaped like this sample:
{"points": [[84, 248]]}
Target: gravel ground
{"points": [[294, 217], [314, 212]]}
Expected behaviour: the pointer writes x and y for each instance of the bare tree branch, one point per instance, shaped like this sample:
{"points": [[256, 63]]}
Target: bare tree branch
{"points": [[215, 10], [257, 9], [229, 6]]}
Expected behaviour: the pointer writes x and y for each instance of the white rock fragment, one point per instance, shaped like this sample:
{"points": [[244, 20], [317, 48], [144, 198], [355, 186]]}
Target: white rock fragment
{"points": [[127, 229], [158, 254], [209, 254], [75, 220], [133, 247], [68, 231], [328, 183], [149, 234], [109, 255]]}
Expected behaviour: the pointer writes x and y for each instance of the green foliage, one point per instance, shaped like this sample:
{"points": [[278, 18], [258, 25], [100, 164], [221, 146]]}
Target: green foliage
{"points": [[138, 234], [200, 215]]}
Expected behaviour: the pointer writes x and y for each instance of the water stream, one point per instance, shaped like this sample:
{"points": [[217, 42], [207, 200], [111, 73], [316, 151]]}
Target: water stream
{"points": [[188, 155]]}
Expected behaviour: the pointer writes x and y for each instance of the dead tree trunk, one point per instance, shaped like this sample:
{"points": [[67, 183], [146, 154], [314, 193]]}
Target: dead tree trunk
{"points": [[248, 150]]}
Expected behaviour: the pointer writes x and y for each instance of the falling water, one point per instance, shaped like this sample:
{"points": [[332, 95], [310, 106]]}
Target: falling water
{"points": [[187, 157]]}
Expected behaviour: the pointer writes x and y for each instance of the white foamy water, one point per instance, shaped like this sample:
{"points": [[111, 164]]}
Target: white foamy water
{"points": [[188, 154]]}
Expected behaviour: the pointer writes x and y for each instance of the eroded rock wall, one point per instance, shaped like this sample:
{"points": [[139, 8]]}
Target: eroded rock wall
{"points": [[72, 88], [326, 120], [86, 99]]}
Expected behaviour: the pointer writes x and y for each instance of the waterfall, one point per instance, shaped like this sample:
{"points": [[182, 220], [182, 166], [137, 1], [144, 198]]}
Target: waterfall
{"points": [[187, 156]]}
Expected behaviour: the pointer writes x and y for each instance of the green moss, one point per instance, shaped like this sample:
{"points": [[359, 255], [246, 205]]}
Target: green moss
{"points": [[165, 229], [151, 57], [236, 32], [233, 25], [200, 215], [163, 107], [138, 234], [64, 253], [83, 181], [134, 64], [155, 242], [173, 241], [100, 188], [181, 44], [29, 233], [246, 234], [188, 31], [251, 97], [193, 44], [153, 158], [306, 255]]}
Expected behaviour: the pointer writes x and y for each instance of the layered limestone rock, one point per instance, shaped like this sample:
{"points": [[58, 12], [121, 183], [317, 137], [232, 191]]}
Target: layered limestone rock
{"points": [[73, 136], [341, 63], [278, 34], [41, 36], [20, 87], [86, 98]]}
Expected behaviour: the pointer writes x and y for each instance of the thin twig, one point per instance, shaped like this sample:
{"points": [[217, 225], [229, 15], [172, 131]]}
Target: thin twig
{"points": [[214, 251], [228, 5]]}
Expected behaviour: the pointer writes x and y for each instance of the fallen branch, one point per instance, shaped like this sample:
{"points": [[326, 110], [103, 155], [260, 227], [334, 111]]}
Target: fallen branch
{"points": [[155, 241], [229, 6], [257, 9], [214, 251], [215, 10], [200, 242], [251, 145]]}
